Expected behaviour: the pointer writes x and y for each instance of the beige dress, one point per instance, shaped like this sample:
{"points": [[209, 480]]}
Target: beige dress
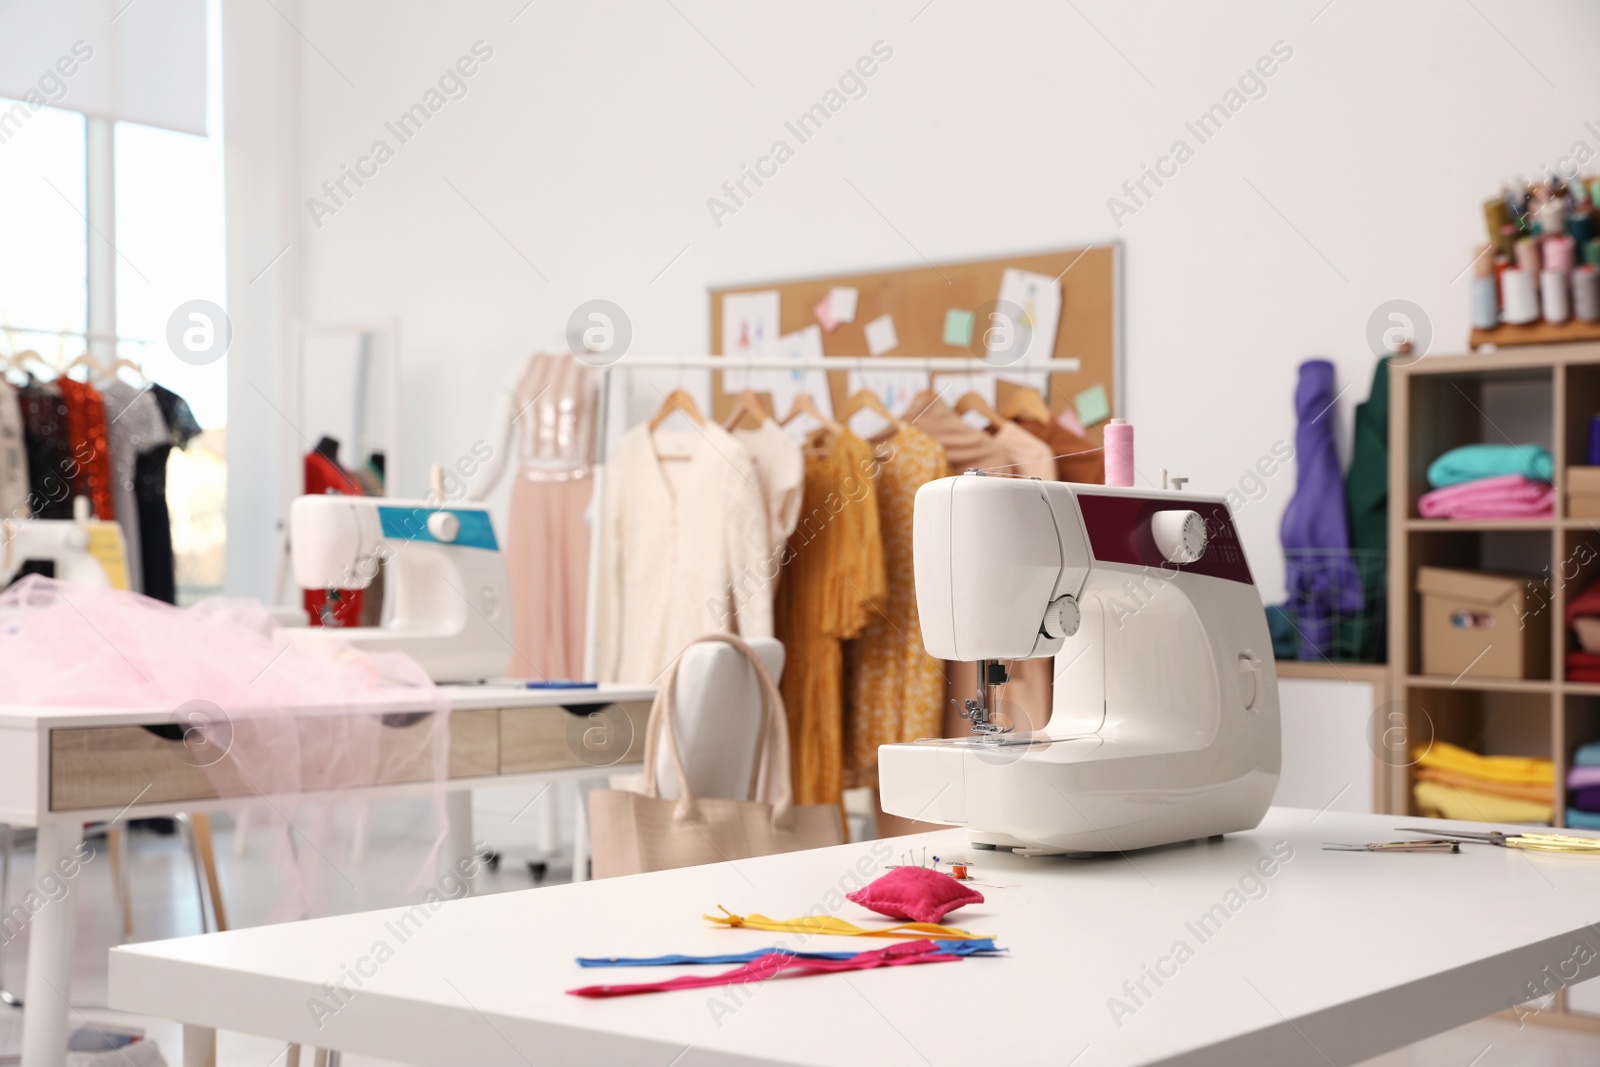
{"points": [[780, 469], [547, 550], [896, 690]]}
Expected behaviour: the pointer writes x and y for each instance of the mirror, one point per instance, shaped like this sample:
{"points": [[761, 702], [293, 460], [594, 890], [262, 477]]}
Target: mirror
{"points": [[348, 392]]}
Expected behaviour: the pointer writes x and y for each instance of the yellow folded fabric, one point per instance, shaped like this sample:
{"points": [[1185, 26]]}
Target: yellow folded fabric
{"points": [[827, 924], [1523, 770], [1435, 799], [1544, 792]]}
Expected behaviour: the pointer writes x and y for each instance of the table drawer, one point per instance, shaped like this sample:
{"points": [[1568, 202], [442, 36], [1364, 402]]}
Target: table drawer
{"points": [[548, 739], [108, 766]]}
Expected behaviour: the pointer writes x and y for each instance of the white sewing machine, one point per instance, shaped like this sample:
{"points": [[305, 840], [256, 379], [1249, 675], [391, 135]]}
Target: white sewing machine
{"points": [[1164, 725], [447, 601], [67, 550]]}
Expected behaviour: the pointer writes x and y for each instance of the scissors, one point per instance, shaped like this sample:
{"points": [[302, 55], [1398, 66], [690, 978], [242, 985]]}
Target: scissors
{"points": [[1532, 842], [1435, 845]]}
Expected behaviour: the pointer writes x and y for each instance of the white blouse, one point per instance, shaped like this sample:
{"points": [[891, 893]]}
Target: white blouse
{"points": [[683, 551]]}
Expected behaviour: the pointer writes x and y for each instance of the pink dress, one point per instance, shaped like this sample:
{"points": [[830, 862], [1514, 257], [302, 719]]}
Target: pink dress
{"points": [[547, 554]]}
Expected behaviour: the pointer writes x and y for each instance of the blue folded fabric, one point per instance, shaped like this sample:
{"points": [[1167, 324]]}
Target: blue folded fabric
{"points": [[1587, 755], [1471, 462], [1583, 820], [978, 946]]}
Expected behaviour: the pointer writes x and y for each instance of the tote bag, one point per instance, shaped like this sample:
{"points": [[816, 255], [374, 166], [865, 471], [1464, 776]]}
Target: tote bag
{"points": [[635, 832]]}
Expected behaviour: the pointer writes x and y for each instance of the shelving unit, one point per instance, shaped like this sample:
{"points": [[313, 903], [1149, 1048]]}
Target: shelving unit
{"points": [[1541, 394]]}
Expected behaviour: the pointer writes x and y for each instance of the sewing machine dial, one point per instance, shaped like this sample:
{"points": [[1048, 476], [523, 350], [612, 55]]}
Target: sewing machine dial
{"points": [[1180, 535]]}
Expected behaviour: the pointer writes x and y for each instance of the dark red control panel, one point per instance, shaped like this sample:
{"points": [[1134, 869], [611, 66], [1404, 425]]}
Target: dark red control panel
{"points": [[1119, 532]]}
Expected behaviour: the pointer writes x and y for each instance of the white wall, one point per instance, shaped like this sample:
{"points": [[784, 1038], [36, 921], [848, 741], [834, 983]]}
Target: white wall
{"points": [[579, 163]]}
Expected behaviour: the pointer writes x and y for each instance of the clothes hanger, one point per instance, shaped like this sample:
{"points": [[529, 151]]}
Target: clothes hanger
{"points": [[867, 400], [804, 404], [678, 400], [746, 403], [1025, 404], [975, 402]]}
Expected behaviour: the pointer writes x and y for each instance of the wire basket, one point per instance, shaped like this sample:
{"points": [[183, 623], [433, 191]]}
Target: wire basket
{"points": [[1337, 602]]}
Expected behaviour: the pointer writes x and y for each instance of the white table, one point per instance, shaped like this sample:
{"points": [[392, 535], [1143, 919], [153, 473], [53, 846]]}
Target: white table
{"points": [[1335, 958], [62, 767]]}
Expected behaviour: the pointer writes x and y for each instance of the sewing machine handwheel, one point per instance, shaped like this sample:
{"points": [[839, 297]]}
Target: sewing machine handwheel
{"points": [[1179, 534]]}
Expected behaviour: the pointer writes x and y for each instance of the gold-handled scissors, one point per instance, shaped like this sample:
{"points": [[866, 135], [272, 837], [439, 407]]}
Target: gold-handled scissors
{"points": [[1533, 842]]}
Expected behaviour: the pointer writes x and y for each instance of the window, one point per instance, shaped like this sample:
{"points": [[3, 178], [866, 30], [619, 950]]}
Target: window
{"points": [[168, 241], [44, 269]]}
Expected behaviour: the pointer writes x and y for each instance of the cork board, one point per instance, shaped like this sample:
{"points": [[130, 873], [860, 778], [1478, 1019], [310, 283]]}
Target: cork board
{"points": [[918, 297]]}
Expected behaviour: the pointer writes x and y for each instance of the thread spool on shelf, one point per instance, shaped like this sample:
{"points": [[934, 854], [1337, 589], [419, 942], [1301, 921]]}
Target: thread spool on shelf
{"points": [[1519, 297], [1485, 303], [1119, 453], [1586, 294], [1553, 296]]}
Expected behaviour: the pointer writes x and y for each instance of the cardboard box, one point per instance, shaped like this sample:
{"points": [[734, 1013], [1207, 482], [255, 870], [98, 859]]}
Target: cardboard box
{"points": [[1583, 492], [1482, 625]]}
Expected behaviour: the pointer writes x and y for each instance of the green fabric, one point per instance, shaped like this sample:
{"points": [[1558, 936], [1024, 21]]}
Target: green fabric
{"points": [[1285, 642], [1471, 462], [1366, 494]]}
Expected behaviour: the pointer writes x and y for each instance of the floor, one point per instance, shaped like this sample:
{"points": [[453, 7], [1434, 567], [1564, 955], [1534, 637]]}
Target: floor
{"points": [[165, 905]]}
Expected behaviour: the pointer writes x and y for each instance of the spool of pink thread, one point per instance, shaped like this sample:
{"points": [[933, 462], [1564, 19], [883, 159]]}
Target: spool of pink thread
{"points": [[1119, 453], [1528, 256], [1560, 252]]}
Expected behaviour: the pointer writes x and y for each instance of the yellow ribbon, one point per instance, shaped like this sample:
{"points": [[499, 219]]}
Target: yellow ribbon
{"points": [[827, 924]]}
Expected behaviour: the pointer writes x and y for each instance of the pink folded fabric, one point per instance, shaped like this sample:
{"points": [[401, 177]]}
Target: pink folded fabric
{"points": [[1505, 496]]}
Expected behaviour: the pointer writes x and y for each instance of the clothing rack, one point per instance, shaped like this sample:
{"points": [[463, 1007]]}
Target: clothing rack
{"points": [[628, 364], [8, 329]]}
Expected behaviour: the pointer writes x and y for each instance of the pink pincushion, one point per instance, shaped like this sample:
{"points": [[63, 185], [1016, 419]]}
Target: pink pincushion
{"points": [[916, 893]]}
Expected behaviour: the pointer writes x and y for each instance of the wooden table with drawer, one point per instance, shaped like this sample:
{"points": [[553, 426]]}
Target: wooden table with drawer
{"points": [[61, 768]]}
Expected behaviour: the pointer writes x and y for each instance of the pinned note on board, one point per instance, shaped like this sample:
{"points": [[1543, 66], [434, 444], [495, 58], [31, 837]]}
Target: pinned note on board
{"points": [[749, 330], [1093, 405], [842, 299], [836, 307], [1068, 421], [880, 335], [957, 327]]}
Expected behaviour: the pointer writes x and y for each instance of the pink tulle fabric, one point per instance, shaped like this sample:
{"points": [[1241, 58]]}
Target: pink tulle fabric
{"points": [[264, 719]]}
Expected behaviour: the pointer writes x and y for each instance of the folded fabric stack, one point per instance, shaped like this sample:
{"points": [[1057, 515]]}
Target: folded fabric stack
{"points": [[1583, 788], [1490, 482], [1583, 618], [1453, 783]]}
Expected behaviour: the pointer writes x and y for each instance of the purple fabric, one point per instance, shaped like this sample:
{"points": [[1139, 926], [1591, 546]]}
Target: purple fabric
{"points": [[1583, 777], [1586, 799], [1505, 496], [1322, 578]]}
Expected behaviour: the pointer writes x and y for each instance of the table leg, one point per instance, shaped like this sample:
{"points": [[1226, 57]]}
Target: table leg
{"points": [[44, 1012], [580, 834], [458, 837], [199, 1046]]}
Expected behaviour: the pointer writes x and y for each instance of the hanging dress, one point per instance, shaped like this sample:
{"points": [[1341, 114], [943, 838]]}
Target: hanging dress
{"points": [[134, 426], [834, 583], [547, 542], [91, 445], [896, 690], [14, 489], [155, 519], [50, 464]]}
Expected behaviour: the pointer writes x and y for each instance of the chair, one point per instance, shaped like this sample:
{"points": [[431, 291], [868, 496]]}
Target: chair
{"points": [[718, 729], [719, 718]]}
